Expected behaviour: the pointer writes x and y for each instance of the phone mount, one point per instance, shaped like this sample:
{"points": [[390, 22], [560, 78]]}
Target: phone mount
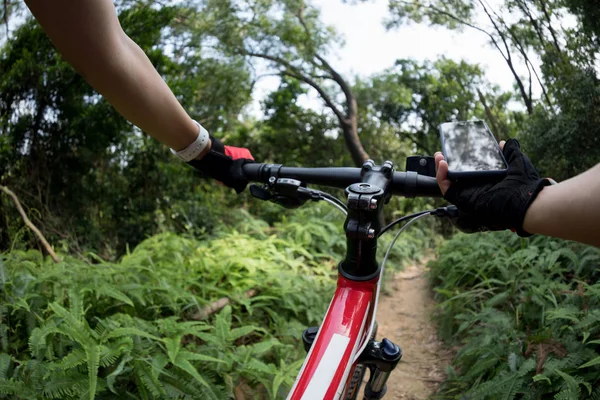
{"points": [[422, 165]]}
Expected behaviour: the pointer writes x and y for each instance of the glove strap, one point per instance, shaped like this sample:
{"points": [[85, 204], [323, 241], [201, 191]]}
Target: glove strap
{"points": [[542, 183]]}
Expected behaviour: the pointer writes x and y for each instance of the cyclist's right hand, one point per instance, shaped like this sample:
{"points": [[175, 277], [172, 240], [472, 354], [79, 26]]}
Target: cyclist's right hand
{"points": [[499, 205]]}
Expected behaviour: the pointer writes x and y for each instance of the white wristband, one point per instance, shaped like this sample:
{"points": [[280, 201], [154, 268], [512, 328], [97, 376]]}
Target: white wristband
{"points": [[197, 146]]}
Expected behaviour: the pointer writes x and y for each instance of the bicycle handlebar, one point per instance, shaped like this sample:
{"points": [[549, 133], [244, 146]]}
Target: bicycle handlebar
{"points": [[407, 184]]}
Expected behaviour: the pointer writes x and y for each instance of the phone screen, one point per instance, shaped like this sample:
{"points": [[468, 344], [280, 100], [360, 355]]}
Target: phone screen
{"points": [[470, 146]]}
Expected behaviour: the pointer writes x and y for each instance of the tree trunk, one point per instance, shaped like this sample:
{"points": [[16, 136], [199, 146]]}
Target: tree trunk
{"points": [[350, 130]]}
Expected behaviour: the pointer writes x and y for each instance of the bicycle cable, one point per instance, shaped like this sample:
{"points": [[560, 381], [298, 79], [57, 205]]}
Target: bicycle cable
{"points": [[326, 196], [335, 204], [396, 222], [385, 258]]}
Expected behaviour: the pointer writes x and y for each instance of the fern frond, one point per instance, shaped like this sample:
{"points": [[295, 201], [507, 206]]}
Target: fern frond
{"points": [[73, 359]]}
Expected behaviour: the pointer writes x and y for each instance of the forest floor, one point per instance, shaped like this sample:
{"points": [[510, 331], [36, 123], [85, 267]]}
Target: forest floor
{"points": [[403, 316]]}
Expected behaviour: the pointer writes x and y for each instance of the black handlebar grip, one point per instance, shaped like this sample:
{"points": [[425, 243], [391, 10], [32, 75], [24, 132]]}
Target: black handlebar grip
{"points": [[252, 171], [411, 184]]}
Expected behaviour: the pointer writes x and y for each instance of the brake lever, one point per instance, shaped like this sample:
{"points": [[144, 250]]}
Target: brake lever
{"points": [[288, 193], [260, 192], [465, 222]]}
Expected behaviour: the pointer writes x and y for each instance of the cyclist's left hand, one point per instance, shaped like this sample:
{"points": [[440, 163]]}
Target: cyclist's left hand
{"points": [[224, 163]]}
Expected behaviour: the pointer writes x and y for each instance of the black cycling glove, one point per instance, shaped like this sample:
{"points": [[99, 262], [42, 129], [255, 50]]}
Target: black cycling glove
{"points": [[500, 205], [224, 163]]}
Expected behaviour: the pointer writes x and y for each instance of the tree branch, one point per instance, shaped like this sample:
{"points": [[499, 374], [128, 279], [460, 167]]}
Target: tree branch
{"points": [[341, 117], [490, 115], [30, 224], [527, 99], [335, 76], [218, 305], [534, 23], [461, 21], [293, 72], [528, 62], [552, 33], [415, 141]]}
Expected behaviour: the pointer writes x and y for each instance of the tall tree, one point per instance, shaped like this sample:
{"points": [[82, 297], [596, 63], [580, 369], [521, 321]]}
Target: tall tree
{"points": [[70, 156], [290, 41], [415, 98], [519, 29], [560, 127]]}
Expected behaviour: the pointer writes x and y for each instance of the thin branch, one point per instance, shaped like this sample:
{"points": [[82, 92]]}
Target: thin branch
{"points": [[259, 77], [517, 44], [552, 33], [5, 17], [490, 115], [414, 141], [338, 79], [218, 305], [335, 76], [528, 62], [534, 23], [506, 57], [293, 72], [493, 21], [527, 99], [463, 22], [30, 224]]}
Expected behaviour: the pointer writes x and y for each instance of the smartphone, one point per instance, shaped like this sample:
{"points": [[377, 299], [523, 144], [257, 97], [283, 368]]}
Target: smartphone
{"points": [[471, 151]]}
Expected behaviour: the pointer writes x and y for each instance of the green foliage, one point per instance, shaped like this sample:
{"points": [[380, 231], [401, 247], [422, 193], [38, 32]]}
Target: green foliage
{"points": [[560, 130], [414, 98], [524, 312], [134, 328], [565, 144], [294, 135], [88, 178]]}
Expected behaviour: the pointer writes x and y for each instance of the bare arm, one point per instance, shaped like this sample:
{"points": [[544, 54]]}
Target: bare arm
{"points": [[89, 36], [569, 210]]}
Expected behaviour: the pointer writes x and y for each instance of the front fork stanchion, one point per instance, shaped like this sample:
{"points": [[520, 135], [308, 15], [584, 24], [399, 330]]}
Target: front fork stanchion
{"points": [[381, 358]]}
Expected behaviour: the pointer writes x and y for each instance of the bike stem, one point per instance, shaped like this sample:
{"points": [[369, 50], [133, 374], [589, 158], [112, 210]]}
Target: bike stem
{"points": [[365, 202]]}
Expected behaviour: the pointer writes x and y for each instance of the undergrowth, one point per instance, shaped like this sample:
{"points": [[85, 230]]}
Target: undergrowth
{"points": [[526, 314], [133, 329]]}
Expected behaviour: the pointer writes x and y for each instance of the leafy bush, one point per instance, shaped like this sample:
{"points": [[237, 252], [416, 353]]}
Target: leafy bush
{"points": [[527, 314], [137, 328], [132, 329]]}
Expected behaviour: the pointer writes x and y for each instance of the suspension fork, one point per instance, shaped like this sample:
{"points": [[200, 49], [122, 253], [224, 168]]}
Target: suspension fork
{"points": [[381, 358]]}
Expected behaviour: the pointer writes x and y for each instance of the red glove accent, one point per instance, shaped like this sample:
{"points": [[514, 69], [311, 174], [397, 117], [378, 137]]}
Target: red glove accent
{"points": [[238, 152]]}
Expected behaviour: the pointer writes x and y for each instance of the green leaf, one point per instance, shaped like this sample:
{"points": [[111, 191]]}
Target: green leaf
{"points": [[189, 368], [243, 331], [590, 363], [73, 359], [260, 348], [188, 355], [110, 379], [173, 346], [125, 332], [113, 292], [93, 361], [541, 377]]}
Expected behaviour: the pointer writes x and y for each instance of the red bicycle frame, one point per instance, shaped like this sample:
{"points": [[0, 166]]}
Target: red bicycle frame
{"points": [[334, 352], [330, 361]]}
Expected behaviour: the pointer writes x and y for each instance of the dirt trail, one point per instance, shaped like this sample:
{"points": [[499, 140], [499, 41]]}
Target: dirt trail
{"points": [[403, 317]]}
